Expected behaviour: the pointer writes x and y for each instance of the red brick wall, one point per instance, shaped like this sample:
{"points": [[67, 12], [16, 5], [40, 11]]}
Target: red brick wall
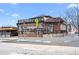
{"points": [[57, 28], [30, 35]]}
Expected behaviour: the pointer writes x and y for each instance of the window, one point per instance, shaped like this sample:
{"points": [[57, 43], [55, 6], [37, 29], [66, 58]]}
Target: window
{"points": [[24, 27], [50, 28], [20, 27]]}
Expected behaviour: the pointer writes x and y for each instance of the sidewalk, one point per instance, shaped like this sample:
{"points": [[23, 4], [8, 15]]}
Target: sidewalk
{"points": [[8, 38]]}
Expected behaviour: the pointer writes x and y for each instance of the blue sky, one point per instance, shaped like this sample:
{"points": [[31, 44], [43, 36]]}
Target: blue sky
{"points": [[11, 12]]}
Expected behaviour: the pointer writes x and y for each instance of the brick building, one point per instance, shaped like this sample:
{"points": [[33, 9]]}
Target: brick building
{"points": [[46, 25]]}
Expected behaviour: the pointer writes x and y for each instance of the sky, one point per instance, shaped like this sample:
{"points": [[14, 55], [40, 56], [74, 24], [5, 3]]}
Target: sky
{"points": [[10, 13]]}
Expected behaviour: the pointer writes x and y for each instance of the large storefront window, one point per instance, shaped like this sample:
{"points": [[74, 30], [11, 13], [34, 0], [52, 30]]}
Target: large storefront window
{"points": [[50, 28]]}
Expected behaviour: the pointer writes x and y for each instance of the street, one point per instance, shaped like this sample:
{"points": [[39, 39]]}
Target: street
{"points": [[33, 49], [68, 45]]}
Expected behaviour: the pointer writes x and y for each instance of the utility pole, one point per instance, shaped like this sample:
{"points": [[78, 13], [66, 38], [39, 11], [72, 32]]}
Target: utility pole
{"points": [[78, 18]]}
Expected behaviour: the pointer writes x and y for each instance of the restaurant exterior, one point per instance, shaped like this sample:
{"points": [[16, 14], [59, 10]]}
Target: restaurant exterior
{"points": [[46, 25]]}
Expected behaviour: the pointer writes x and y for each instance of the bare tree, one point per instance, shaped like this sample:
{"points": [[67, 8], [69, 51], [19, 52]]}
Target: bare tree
{"points": [[72, 16]]}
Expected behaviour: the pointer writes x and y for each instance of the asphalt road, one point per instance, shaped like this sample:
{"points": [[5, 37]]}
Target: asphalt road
{"points": [[68, 45], [33, 49]]}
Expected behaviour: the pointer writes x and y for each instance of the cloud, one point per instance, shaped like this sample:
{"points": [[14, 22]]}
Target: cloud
{"points": [[14, 3], [72, 5], [15, 15], [2, 10], [7, 13]]}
